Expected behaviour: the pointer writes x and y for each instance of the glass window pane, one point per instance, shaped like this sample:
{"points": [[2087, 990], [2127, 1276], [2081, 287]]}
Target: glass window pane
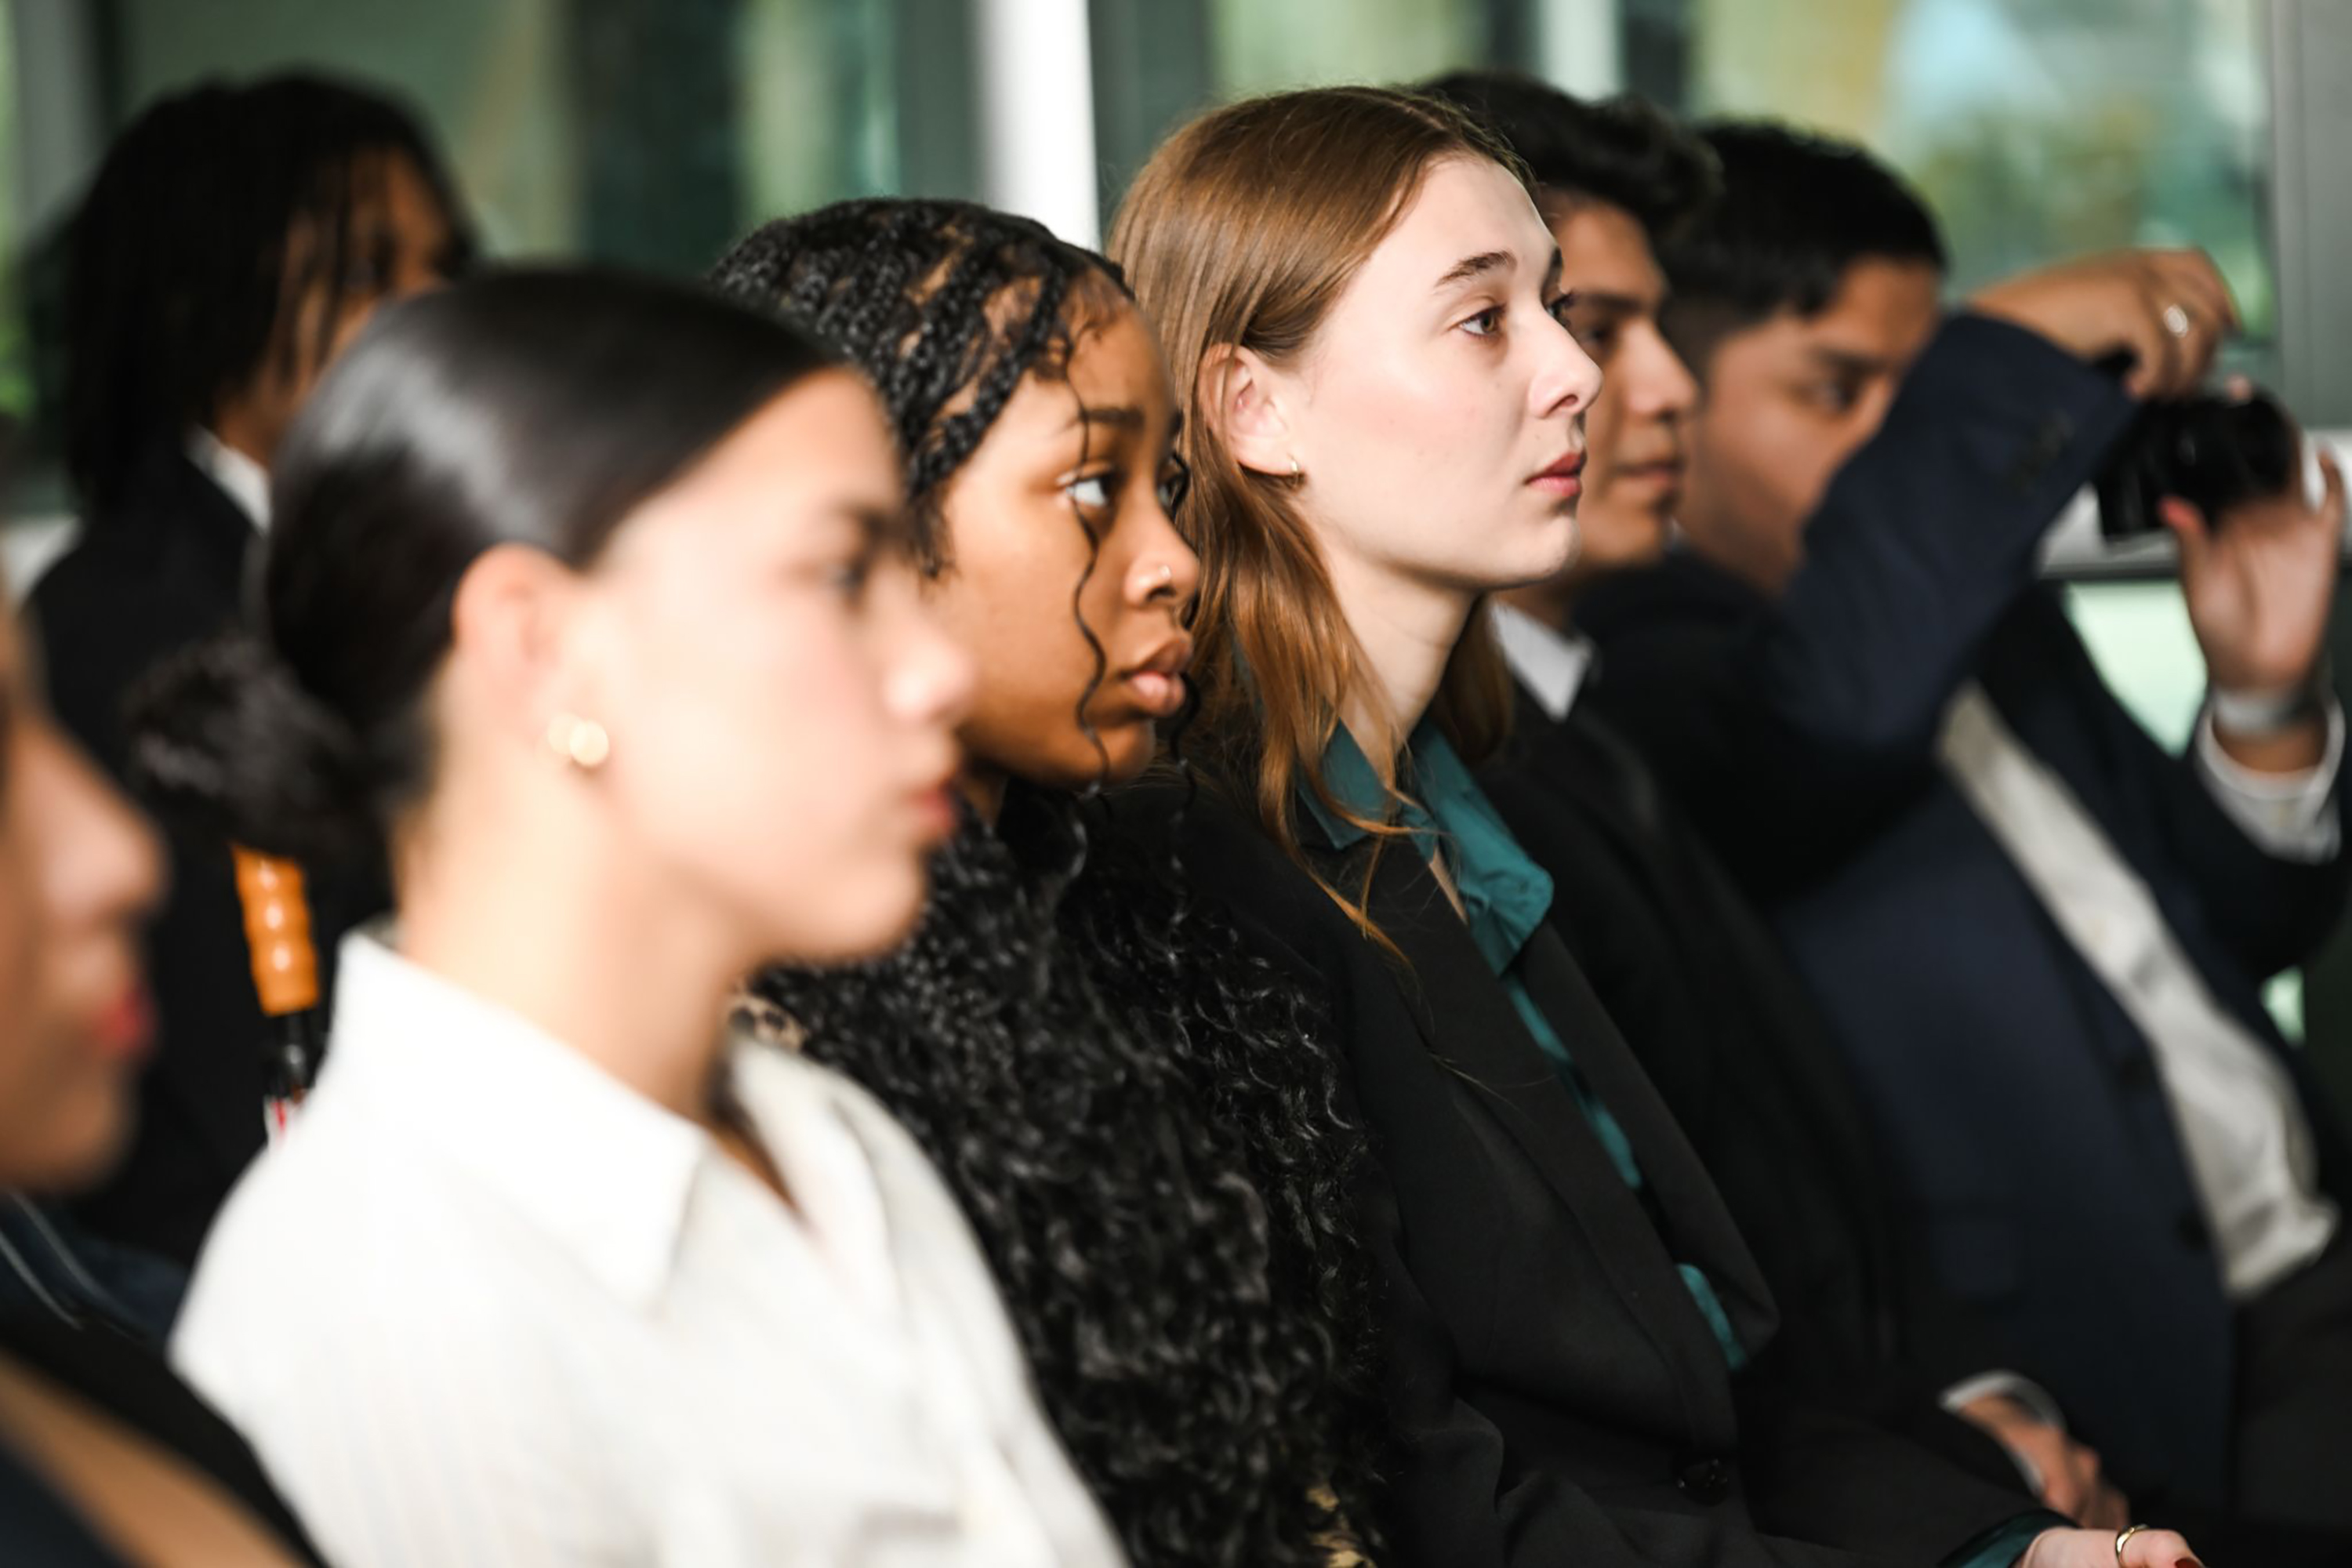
{"points": [[1259, 48], [2036, 128]]}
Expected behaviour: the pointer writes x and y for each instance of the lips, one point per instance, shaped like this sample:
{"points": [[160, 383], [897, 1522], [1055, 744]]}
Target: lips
{"points": [[1158, 683], [125, 1028], [1562, 479]]}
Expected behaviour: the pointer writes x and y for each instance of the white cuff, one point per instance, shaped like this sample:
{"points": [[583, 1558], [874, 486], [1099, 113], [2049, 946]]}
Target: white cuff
{"points": [[2287, 816], [2026, 1392], [1997, 1384]]}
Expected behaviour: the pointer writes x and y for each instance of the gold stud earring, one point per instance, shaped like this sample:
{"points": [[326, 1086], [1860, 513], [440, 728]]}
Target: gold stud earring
{"points": [[582, 743], [1297, 473]]}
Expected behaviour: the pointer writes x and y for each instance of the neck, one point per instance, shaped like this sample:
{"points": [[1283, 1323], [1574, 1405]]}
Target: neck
{"points": [[1553, 603], [544, 915], [235, 427], [1406, 633]]}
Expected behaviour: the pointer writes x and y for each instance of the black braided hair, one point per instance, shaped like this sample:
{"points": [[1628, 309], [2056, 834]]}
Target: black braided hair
{"points": [[1140, 1115]]}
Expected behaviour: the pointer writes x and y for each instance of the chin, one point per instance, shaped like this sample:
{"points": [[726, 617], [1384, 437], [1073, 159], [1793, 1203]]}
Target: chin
{"points": [[76, 1145], [864, 920]]}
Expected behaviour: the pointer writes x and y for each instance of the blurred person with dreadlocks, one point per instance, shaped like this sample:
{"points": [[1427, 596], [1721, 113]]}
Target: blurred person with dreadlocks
{"points": [[233, 241], [1139, 1118]]}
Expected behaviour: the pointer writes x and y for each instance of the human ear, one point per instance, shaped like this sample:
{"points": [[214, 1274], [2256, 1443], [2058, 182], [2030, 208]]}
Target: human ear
{"points": [[511, 642], [1241, 397]]}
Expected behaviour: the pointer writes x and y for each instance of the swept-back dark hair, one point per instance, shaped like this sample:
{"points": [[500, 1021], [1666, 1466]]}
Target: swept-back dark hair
{"points": [[1625, 150], [534, 407], [1796, 211], [1137, 1112], [175, 273]]}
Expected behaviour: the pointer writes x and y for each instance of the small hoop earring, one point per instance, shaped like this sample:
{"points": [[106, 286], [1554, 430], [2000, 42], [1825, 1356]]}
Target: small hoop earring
{"points": [[582, 743]]}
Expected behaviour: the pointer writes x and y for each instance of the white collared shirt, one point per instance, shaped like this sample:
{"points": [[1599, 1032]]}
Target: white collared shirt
{"points": [[240, 479], [488, 1306], [1550, 664], [2241, 1123]]}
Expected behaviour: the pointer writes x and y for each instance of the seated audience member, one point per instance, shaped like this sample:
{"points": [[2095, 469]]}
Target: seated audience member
{"points": [[2038, 938], [106, 1459], [1136, 1113], [589, 595], [1678, 955], [1381, 420], [235, 238]]}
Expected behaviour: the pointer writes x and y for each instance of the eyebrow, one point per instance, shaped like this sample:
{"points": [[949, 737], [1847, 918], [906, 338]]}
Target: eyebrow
{"points": [[1119, 417], [1847, 362], [1479, 266], [1620, 304]]}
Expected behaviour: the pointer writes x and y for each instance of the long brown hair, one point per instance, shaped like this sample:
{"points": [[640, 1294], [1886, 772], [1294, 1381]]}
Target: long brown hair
{"points": [[1242, 232]]}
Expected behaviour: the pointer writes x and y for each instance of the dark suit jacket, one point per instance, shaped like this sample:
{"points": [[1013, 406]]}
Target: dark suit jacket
{"points": [[1705, 999], [1554, 1393], [160, 568], [2022, 1106]]}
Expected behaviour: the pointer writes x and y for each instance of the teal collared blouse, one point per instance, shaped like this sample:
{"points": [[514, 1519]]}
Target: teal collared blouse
{"points": [[1505, 896]]}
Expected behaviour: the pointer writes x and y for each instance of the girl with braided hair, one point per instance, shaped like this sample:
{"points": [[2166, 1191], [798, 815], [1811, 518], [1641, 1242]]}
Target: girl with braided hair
{"points": [[1137, 1114]]}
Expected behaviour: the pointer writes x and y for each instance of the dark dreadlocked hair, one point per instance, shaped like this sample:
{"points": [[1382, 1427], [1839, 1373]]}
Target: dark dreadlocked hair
{"points": [[1137, 1113], [171, 280]]}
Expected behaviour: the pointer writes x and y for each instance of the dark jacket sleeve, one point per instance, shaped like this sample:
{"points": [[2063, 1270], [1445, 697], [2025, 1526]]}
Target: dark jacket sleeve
{"points": [[1793, 731]]}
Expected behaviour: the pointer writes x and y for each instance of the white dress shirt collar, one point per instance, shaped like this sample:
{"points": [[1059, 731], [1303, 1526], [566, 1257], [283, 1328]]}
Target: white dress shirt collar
{"points": [[589, 1161], [1551, 664], [241, 478]]}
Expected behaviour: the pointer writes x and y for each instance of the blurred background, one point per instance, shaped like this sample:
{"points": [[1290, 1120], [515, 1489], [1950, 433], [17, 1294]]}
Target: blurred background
{"points": [[652, 133]]}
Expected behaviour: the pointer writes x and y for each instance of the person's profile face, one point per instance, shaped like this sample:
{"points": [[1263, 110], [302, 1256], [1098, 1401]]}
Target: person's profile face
{"points": [[781, 707], [401, 243], [1437, 414], [79, 874], [1786, 401], [1637, 430], [1058, 544]]}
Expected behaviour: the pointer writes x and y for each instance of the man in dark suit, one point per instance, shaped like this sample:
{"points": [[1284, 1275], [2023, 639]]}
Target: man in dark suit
{"points": [[2038, 939], [1681, 960], [235, 239]]}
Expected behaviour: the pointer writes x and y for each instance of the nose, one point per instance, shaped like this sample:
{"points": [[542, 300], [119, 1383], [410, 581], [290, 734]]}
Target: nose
{"points": [[1651, 377], [931, 679], [1566, 380], [1163, 567]]}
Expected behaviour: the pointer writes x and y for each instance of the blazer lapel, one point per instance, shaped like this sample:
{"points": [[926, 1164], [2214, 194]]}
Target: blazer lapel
{"points": [[1483, 1042]]}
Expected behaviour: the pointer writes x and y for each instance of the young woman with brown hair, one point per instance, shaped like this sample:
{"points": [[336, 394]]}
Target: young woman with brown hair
{"points": [[1383, 419]]}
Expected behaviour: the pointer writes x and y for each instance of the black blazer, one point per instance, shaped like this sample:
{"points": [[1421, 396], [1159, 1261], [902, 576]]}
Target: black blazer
{"points": [[1554, 1393], [2021, 1108], [159, 568], [1704, 996], [129, 1382]]}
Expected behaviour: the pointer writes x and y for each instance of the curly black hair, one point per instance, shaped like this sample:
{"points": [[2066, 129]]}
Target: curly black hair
{"points": [[1141, 1117]]}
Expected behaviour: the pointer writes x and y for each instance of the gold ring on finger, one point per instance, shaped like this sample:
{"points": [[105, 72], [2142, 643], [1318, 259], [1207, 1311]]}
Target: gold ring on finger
{"points": [[2122, 1538]]}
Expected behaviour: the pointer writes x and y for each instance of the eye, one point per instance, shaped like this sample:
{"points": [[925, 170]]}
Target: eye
{"points": [[849, 579], [1175, 484], [1485, 324], [1092, 491], [1836, 396]]}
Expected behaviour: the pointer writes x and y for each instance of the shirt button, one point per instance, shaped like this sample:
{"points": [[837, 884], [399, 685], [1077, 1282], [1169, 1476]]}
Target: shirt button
{"points": [[1707, 1481]]}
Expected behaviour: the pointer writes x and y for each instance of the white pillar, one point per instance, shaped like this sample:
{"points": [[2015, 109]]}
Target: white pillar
{"points": [[1037, 114]]}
